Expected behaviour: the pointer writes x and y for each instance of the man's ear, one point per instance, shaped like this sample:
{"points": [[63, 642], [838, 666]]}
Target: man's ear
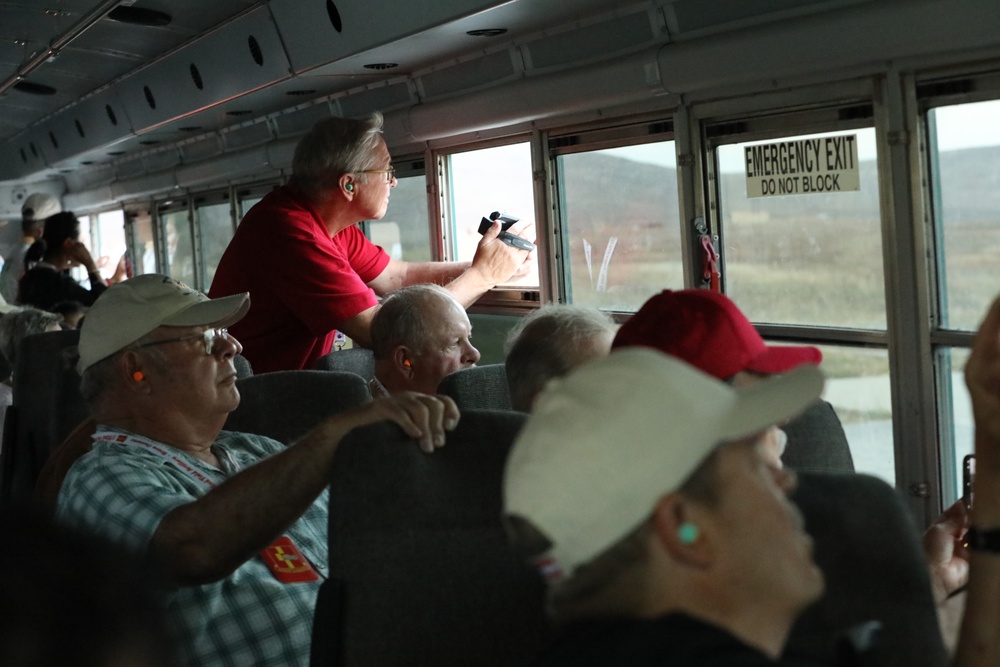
{"points": [[680, 529], [133, 372], [402, 361], [347, 184]]}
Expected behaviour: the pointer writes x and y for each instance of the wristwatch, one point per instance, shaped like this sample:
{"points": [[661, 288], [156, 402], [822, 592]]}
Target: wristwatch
{"points": [[983, 540]]}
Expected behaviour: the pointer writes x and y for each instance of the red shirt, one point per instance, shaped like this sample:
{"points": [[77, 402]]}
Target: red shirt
{"points": [[302, 283]]}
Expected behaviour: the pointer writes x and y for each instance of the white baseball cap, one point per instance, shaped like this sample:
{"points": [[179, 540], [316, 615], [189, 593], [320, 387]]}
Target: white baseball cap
{"points": [[129, 310], [606, 441], [40, 206]]}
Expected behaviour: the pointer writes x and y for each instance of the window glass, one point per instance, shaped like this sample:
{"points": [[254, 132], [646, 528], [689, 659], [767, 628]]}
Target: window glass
{"points": [[88, 232], [403, 231], [215, 225], [141, 244], [621, 224], [857, 387], [487, 180], [109, 242], [961, 413], [965, 147], [179, 251], [245, 205], [811, 259]]}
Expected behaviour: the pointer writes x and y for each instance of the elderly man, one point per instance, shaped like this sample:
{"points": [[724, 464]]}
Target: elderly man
{"points": [[708, 331], [550, 343], [419, 335], [311, 271], [678, 545], [237, 521]]}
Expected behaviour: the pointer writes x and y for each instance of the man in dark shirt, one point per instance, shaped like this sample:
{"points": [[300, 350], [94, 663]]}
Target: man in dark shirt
{"points": [[641, 490]]}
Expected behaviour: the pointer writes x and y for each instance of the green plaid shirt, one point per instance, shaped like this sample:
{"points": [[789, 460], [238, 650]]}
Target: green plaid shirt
{"points": [[249, 618]]}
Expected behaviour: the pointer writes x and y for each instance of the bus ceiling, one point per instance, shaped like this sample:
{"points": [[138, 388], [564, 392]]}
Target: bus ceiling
{"points": [[129, 96]]}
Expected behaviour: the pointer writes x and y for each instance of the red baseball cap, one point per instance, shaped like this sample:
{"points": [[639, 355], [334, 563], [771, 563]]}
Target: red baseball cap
{"points": [[708, 331]]}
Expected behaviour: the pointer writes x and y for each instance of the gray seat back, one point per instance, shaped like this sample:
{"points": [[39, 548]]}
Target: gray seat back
{"points": [[47, 406], [816, 442], [478, 388], [285, 405], [421, 571], [243, 367], [869, 549], [357, 360]]}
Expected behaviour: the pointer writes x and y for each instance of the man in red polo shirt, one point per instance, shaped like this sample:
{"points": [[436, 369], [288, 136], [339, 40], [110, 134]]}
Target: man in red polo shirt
{"points": [[308, 268]]}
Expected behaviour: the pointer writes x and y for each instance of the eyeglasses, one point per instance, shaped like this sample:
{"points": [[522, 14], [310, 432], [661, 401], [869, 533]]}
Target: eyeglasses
{"points": [[390, 173], [208, 337]]}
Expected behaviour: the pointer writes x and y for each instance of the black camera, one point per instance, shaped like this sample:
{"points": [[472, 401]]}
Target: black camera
{"points": [[506, 220]]}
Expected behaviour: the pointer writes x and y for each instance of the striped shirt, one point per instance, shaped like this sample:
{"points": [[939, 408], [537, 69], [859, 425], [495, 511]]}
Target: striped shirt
{"points": [[123, 491]]}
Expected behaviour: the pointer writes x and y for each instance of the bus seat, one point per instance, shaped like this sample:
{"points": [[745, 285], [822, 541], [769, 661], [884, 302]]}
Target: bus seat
{"points": [[478, 388], [816, 442], [47, 406], [243, 367], [282, 405], [285, 405], [420, 568], [869, 549], [357, 360], [50, 479]]}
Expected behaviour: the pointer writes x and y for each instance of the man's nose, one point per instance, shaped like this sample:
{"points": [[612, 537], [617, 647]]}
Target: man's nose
{"points": [[471, 354], [228, 346]]}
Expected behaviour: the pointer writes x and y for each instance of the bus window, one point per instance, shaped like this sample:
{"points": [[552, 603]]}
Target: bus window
{"points": [[108, 243], [486, 180], [403, 231], [141, 243], [213, 215], [965, 158], [178, 255], [960, 409], [857, 387], [811, 259], [621, 224], [245, 205]]}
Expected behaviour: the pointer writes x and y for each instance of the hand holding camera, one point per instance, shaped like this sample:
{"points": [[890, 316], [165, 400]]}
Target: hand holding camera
{"points": [[511, 239]]}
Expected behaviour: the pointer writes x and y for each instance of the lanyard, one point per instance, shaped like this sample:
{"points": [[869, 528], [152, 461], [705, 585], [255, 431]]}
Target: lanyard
{"points": [[103, 435]]}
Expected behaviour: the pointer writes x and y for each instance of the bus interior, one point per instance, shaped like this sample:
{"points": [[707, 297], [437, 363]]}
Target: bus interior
{"points": [[657, 144]]}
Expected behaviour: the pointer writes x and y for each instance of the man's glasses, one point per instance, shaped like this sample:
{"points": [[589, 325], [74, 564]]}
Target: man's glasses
{"points": [[208, 337], [390, 173]]}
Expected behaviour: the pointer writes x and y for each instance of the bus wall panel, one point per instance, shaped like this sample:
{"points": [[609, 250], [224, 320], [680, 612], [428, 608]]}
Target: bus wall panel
{"points": [[312, 39], [380, 98], [596, 41], [226, 67], [828, 43], [486, 71]]}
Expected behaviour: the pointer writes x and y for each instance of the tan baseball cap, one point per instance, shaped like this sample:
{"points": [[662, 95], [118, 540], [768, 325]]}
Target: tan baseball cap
{"points": [[129, 310], [40, 206], [606, 441]]}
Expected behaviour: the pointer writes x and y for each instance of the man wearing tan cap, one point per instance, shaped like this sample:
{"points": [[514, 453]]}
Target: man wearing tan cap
{"points": [[34, 211], [665, 534], [238, 521]]}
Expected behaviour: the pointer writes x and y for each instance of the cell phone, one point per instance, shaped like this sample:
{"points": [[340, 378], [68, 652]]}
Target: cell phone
{"points": [[968, 477], [506, 220]]}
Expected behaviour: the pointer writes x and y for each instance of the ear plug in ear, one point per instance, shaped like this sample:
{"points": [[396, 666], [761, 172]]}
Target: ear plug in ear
{"points": [[687, 533], [138, 376]]}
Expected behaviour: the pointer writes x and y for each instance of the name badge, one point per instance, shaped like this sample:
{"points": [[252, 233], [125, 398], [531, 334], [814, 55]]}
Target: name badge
{"points": [[287, 563]]}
